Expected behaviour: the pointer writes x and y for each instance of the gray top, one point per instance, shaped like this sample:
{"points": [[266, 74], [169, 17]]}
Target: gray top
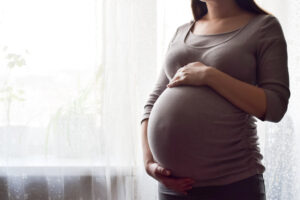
{"points": [[194, 131]]}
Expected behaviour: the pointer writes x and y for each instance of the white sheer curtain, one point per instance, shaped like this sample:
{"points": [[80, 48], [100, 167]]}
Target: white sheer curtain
{"points": [[74, 76]]}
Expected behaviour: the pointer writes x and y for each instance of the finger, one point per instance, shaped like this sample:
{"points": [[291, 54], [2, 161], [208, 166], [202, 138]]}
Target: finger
{"points": [[166, 172], [186, 179], [179, 73], [186, 183], [184, 189], [183, 182], [181, 69], [163, 171], [170, 182], [188, 188], [176, 77], [185, 186], [190, 181], [175, 83], [171, 81], [175, 183]]}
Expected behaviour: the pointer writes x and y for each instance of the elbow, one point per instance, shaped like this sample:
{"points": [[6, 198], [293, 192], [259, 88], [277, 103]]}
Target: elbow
{"points": [[278, 115], [282, 109], [276, 106]]}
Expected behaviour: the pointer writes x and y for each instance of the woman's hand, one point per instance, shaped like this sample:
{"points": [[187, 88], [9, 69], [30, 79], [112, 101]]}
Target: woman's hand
{"points": [[163, 175], [191, 74]]}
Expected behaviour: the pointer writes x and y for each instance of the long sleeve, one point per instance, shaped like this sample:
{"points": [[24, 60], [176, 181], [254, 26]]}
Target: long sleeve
{"points": [[272, 69], [159, 87]]}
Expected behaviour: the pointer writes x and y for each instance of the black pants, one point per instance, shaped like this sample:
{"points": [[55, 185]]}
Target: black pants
{"points": [[252, 188]]}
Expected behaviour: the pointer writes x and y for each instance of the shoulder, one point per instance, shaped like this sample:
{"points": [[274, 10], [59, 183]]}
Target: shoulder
{"points": [[184, 26], [270, 24], [187, 24], [181, 29], [271, 34]]}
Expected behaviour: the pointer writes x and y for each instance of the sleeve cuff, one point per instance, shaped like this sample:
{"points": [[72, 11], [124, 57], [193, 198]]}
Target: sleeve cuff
{"points": [[146, 114], [144, 118], [275, 108]]}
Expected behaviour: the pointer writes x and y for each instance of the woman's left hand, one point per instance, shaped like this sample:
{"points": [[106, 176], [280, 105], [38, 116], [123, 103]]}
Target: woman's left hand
{"points": [[191, 74]]}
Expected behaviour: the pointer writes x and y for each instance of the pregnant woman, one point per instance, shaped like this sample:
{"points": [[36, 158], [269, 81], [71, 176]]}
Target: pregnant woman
{"points": [[222, 69]]}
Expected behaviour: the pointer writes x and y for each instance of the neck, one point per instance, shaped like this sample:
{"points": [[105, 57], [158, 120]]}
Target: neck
{"points": [[220, 9]]}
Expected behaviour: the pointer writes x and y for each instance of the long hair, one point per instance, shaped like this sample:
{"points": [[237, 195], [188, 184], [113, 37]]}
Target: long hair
{"points": [[199, 8]]}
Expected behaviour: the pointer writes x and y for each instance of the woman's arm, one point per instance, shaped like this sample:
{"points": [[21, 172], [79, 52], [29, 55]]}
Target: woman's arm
{"points": [[159, 87], [147, 155], [248, 97], [151, 166], [268, 99]]}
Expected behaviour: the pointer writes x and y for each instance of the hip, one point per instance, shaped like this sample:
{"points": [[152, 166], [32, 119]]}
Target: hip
{"points": [[251, 188]]}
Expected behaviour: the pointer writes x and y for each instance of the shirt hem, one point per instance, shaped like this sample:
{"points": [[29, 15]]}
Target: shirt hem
{"points": [[229, 179]]}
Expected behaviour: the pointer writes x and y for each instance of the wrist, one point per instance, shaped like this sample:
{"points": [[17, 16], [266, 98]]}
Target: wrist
{"points": [[209, 75], [148, 161], [148, 166]]}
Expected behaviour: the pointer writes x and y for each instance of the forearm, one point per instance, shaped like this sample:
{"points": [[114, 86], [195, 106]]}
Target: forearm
{"points": [[147, 155], [247, 97]]}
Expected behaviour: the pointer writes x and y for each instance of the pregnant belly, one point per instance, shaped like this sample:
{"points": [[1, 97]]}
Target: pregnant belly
{"points": [[192, 128]]}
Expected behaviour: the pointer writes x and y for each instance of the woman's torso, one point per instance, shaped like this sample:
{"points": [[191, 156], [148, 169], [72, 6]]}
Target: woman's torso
{"points": [[194, 131]]}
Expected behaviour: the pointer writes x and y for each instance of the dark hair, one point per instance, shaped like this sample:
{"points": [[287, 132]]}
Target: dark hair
{"points": [[199, 8]]}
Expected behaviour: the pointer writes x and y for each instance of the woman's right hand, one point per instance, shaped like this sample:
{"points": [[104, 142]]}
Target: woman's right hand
{"points": [[163, 175]]}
